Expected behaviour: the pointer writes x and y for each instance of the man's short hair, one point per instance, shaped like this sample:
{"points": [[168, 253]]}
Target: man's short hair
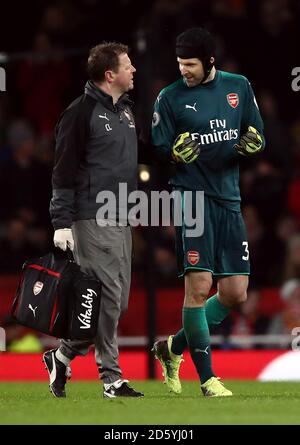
{"points": [[104, 57]]}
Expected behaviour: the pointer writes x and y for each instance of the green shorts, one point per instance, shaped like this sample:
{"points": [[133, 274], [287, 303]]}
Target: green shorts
{"points": [[222, 249]]}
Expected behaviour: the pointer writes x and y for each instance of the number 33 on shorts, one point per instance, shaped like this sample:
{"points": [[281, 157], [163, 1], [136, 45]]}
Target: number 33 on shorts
{"points": [[245, 257]]}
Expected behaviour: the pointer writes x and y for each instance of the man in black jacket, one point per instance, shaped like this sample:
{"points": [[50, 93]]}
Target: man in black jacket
{"points": [[96, 151]]}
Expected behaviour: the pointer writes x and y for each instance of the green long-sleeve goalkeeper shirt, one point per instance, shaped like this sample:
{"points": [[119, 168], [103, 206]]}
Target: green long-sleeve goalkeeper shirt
{"points": [[219, 113]]}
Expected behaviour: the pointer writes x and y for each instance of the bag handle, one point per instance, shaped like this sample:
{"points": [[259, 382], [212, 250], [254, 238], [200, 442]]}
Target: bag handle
{"points": [[65, 254]]}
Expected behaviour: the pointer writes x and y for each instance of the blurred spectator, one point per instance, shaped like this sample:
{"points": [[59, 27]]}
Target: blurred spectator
{"points": [[264, 187], [278, 151], [54, 23], [293, 193], [229, 8], [5, 105], [164, 256], [295, 133], [24, 181], [292, 261], [289, 318], [62, 21], [15, 248], [42, 81], [276, 16], [293, 199], [286, 227], [168, 19]]}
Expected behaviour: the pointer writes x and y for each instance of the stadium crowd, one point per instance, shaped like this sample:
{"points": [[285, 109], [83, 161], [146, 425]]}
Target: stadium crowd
{"points": [[46, 69]]}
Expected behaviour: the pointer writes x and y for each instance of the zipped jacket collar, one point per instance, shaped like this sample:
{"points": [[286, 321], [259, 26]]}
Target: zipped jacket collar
{"points": [[92, 90]]}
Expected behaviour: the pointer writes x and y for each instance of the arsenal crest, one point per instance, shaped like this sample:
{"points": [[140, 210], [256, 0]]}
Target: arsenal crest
{"points": [[38, 286], [233, 99], [193, 257]]}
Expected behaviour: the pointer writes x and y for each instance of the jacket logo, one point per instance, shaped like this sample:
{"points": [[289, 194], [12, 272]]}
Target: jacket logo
{"points": [[38, 286], [193, 107], [103, 116], [32, 309], [233, 99], [107, 126], [193, 257]]}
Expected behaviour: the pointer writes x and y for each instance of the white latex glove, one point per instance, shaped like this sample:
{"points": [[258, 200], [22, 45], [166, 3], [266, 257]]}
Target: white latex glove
{"points": [[63, 238]]}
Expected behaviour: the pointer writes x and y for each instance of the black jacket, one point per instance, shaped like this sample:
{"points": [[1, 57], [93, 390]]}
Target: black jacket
{"points": [[96, 149]]}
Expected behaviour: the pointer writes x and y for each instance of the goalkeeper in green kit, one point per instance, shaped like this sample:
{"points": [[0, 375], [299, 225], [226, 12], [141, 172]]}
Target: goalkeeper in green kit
{"points": [[204, 123]]}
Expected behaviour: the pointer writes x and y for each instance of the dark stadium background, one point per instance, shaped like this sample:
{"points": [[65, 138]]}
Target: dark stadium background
{"points": [[43, 48]]}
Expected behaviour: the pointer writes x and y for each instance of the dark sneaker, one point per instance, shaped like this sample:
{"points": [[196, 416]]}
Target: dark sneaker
{"points": [[58, 373], [120, 388]]}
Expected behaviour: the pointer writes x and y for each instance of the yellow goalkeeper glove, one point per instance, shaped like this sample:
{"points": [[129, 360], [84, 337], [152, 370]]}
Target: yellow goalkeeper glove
{"points": [[250, 143], [185, 149]]}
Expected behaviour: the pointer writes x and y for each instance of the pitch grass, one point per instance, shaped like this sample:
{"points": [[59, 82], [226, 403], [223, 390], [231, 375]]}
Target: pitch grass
{"points": [[252, 403]]}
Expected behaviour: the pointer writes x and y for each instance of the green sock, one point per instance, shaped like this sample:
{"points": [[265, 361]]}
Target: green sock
{"points": [[215, 311], [197, 334], [215, 314]]}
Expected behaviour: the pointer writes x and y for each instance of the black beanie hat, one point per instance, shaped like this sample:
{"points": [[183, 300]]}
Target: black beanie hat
{"points": [[195, 43]]}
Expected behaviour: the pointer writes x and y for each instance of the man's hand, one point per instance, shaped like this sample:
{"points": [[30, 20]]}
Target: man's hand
{"points": [[185, 149], [250, 143], [63, 238]]}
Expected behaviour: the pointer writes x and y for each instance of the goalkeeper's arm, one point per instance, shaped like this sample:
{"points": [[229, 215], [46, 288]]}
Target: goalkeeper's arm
{"points": [[251, 142]]}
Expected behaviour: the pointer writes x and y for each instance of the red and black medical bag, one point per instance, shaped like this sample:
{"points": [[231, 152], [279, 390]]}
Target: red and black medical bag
{"points": [[56, 298]]}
